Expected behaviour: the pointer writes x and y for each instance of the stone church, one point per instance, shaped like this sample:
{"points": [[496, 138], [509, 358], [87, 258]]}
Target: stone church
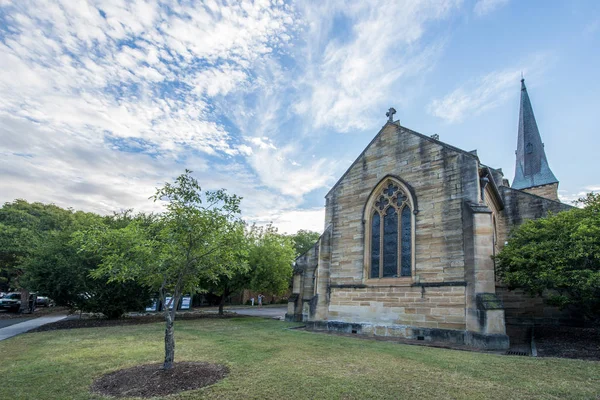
{"points": [[410, 231]]}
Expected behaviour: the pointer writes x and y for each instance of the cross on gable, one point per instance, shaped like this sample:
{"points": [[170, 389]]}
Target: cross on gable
{"points": [[390, 114]]}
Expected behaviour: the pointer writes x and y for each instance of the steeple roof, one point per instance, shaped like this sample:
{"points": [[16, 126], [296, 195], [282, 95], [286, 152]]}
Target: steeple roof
{"points": [[532, 166]]}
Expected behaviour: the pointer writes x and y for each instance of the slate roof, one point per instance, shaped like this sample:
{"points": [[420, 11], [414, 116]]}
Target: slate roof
{"points": [[532, 167]]}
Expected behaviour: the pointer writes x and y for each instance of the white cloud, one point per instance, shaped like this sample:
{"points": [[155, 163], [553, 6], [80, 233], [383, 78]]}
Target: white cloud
{"points": [[475, 97], [274, 168], [263, 143], [571, 198], [349, 77], [70, 68], [483, 93], [101, 101], [291, 221], [485, 7]]}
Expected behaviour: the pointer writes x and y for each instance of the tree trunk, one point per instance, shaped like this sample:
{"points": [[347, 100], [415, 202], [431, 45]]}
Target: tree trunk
{"points": [[222, 301], [170, 332], [25, 308], [169, 341]]}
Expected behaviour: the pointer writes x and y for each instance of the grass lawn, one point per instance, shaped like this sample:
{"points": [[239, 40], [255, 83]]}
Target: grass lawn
{"points": [[269, 362]]}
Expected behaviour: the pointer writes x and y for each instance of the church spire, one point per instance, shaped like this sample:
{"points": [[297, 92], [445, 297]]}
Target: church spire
{"points": [[532, 166]]}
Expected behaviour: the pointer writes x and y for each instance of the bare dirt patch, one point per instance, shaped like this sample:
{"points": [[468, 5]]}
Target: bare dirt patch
{"points": [[568, 342], [150, 380]]}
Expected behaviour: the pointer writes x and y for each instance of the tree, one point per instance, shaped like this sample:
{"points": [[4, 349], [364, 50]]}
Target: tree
{"points": [[266, 266], [60, 271], [270, 259], [558, 255], [194, 241], [23, 228], [303, 240], [36, 254]]}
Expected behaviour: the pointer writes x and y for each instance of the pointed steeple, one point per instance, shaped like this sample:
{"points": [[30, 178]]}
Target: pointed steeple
{"points": [[532, 166]]}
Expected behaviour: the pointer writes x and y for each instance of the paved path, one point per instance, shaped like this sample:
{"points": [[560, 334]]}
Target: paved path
{"points": [[12, 321], [267, 312], [28, 325]]}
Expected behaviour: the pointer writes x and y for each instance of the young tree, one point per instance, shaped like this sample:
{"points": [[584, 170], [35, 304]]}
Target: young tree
{"points": [[270, 259], [195, 240], [558, 255], [266, 267], [234, 278], [304, 240]]}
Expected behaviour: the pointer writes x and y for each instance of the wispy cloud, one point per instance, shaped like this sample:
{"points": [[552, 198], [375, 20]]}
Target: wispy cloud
{"points": [[485, 7], [475, 97], [483, 93], [358, 71], [110, 99], [140, 69]]}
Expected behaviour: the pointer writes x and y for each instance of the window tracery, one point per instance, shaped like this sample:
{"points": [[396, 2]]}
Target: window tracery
{"points": [[391, 233]]}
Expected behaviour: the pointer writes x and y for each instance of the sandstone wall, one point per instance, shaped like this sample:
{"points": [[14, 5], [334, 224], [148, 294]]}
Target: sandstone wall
{"points": [[442, 178], [546, 191], [303, 284], [520, 308], [520, 206], [439, 307]]}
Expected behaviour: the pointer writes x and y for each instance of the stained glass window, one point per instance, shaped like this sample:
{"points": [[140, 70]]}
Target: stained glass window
{"points": [[390, 243], [391, 239], [401, 198], [406, 246], [375, 245]]}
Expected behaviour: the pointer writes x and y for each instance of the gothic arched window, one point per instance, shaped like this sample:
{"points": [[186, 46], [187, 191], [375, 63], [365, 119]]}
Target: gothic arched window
{"points": [[389, 232]]}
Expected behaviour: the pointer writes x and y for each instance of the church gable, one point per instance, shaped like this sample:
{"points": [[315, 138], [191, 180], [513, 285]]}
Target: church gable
{"points": [[385, 137], [440, 178]]}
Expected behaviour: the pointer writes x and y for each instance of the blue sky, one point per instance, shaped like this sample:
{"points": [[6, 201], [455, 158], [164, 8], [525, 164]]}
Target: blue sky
{"points": [[102, 101]]}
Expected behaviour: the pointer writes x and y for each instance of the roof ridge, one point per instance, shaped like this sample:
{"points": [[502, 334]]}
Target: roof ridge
{"points": [[398, 127]]}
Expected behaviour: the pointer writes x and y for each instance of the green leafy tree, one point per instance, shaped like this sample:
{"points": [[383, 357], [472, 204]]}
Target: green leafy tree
{"points": [[303, 240], [23, 228], [36, 254], [265, 266], [60, 271], [270, 259], [558, 256], [194, 241], [234, 278]]}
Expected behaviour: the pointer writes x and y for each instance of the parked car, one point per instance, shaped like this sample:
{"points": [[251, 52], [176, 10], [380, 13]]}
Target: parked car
{"points": [[43, 301], [11, 302]]}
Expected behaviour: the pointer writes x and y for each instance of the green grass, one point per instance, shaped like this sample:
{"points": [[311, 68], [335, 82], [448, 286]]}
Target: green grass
{"points": [[269, 362]]}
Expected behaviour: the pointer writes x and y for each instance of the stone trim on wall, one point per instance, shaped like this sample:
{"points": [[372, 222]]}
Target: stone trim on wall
{"points": [[477, 340]]}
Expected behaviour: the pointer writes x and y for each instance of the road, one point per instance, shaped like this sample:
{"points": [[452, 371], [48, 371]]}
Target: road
{"points": [[266, 312]]}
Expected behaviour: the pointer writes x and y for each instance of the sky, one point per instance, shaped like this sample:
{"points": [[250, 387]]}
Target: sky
{"points": [[103, 101]]}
